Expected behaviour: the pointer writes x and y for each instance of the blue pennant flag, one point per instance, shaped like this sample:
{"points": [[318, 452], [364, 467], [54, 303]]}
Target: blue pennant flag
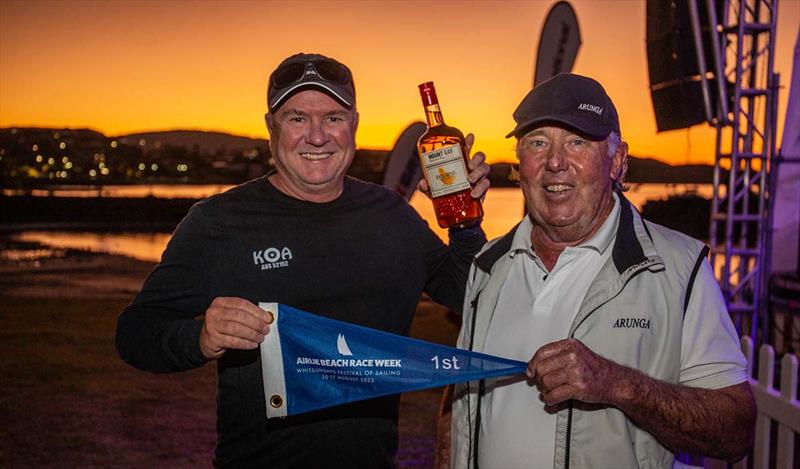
{"points": [[310, 362]]}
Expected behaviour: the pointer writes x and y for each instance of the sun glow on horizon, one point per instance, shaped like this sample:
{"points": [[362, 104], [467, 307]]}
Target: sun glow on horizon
{"points": [[125, 67]]}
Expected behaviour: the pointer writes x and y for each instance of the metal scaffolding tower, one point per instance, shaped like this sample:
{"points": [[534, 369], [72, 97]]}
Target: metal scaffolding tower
{"points": [[745, 119]]}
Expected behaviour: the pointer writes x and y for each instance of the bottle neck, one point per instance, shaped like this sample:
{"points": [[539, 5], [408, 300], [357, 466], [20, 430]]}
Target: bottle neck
{"points": [[431, 103], [434, 115]]}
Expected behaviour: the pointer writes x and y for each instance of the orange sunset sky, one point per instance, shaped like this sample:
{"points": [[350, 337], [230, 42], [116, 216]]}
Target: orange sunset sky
{"points": [[128, 66]]}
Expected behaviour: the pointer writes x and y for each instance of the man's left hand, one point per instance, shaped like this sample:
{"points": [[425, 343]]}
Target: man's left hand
{"points": [[567, 369]]}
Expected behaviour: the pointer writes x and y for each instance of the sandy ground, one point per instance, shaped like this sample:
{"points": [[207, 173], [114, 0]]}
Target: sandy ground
{"points": [[67, 400]]}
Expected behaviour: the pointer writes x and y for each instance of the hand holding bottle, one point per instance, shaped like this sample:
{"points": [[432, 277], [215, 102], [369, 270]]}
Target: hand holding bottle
{"points": [[443, 158]]}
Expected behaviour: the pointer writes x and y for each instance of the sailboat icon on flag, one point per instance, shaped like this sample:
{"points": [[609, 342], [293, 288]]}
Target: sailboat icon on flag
{"points": [[341, 345]]}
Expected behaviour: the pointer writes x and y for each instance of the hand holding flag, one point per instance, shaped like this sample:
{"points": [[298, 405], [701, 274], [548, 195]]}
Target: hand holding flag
{"points": [[233, 323]]}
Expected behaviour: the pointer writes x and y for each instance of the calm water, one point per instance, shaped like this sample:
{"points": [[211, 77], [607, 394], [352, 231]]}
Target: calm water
{"points": [[503, 209]]}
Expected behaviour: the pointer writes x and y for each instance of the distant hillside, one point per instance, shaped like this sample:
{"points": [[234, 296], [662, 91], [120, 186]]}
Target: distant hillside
{"points": [[41, 136], [650, 170], [640, 170], [207, 142]]}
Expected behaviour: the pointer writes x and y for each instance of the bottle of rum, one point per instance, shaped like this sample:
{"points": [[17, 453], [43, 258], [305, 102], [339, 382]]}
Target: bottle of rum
{"points": [[443, 158]]}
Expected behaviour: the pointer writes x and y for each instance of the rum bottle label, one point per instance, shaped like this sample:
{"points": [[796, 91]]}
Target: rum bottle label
{"points": [[445, 170]]}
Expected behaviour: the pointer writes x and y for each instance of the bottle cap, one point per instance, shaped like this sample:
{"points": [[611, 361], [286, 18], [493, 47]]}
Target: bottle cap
{"points": [[428, 93]]}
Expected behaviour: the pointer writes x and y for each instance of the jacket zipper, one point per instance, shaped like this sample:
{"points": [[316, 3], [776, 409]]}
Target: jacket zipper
{"points": [[569, 435], [474, 439], [569, 413], [571, 402]]}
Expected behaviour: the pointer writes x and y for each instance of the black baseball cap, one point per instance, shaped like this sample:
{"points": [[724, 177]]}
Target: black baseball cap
{"points": [[311, 70], [577, 102]]}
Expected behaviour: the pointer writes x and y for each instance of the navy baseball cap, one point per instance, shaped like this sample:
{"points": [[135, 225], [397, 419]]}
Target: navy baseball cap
{"points": [[577, 102]]}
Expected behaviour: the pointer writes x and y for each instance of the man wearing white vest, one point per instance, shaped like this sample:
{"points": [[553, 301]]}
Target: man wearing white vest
{"points": [[634, 358]]}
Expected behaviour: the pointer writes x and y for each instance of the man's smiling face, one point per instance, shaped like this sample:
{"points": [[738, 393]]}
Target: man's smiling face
{"points": [[313, 143], [567, 181]]}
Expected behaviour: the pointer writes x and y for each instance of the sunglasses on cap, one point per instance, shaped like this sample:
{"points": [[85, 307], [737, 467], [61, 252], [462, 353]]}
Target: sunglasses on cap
{"points": [[327, 69]]}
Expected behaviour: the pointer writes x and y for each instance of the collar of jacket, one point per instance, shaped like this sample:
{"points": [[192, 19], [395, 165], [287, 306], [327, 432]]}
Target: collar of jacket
{"points": [[627, 251]]}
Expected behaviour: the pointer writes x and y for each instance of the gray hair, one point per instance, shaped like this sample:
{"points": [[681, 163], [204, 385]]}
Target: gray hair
{"points": [[614, 140]]}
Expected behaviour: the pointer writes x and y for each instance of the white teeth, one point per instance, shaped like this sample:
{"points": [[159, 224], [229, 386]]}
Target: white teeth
{"points": [[557, 188], [315, 156]]}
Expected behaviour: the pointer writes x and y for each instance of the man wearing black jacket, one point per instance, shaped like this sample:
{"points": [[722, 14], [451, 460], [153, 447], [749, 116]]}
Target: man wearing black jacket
{"points": [[307, 236]]}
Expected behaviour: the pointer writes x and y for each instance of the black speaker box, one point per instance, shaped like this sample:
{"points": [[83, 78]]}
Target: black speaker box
{"points": [[675, 82]]}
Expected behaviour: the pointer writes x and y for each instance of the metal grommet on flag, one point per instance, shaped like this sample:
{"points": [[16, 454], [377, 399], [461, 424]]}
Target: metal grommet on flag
{"points": [[276, 401]]}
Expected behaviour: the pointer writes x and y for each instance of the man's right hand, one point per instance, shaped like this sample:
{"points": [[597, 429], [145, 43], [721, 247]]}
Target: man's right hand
{"points": [[232, 323]]}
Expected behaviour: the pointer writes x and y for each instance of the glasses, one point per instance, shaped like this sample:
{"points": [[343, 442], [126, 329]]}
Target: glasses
{"points": [[329, 70]]}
